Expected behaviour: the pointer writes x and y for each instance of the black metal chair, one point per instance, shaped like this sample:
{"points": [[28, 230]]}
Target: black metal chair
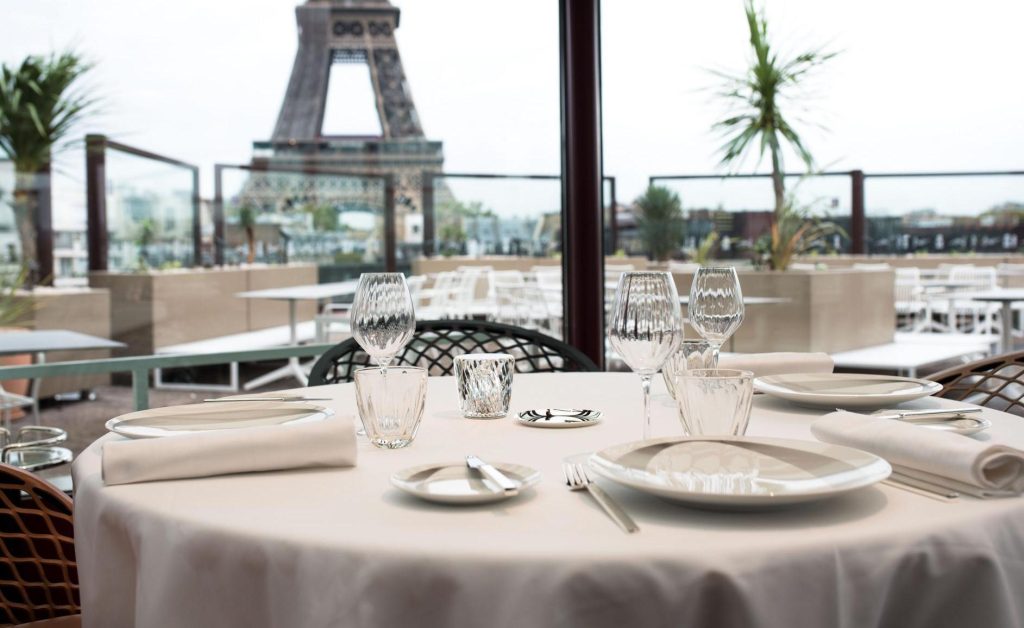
{"points": [[435, 344], [996, 382]]}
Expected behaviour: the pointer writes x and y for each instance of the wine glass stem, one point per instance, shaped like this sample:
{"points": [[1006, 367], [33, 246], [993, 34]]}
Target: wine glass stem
{"points": [[645, 385], [383, 364], [715, 348]]}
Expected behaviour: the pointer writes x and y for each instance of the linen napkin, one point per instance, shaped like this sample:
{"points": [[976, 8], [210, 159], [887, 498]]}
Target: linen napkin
{"points": [[327, 443], [927, 454], [762, 364]]}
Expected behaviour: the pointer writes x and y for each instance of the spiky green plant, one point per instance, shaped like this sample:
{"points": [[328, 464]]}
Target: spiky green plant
{"points": [[703, 253], [39, 106], [796, 231], [660, 221], [756, 98], [15, 305], [247, 220], [144, 238]]}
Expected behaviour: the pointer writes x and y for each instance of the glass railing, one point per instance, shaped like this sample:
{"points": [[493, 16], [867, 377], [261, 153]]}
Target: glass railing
{"points": [[334, 220], [143, 209]]}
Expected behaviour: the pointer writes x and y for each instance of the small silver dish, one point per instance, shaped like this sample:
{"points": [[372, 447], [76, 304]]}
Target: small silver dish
{"points": [[559, 417]]}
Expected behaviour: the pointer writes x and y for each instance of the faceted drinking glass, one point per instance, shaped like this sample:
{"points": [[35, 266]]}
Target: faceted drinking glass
{"points": [[646, 327], [391, 403], [714, 402], [715, 309], [383, 319], [485, 384], [691, 354]]}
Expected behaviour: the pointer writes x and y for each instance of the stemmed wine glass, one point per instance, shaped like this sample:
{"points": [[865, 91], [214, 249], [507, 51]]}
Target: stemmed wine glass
{"points": [[383, 319], [716, 306], [646, 327]]}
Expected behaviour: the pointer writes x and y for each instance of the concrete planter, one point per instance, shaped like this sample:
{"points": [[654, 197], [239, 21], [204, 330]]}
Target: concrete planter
{"points": [[829, 311], [84, 310], [162, 308], [426, 266]]}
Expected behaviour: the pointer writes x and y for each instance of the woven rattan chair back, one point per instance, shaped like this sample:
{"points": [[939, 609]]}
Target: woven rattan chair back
{"points": [[436, 344], [996, 382], [38, 573]]}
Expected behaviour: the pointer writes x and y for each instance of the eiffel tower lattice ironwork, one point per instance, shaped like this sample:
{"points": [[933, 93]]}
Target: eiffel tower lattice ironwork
{"points": [[360, 32]]}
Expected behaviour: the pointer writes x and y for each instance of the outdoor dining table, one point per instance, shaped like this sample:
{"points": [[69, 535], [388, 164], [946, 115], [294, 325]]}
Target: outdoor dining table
{"points": [[321, 293], [341, 547], [42, 341], [1006, 297]]}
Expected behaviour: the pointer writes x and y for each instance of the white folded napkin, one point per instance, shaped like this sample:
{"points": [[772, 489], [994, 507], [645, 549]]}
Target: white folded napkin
{"points": [[927, 454], [762, 364], [327, 443]]}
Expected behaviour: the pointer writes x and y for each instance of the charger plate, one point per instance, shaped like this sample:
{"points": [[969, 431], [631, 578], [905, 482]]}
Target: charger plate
{"points": [[845, 390], [739, 472], [205, 417]]}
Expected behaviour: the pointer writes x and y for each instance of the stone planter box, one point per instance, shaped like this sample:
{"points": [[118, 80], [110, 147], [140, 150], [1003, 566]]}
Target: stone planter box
{"points": [[84, 310], [829, 311], [162, 308]]}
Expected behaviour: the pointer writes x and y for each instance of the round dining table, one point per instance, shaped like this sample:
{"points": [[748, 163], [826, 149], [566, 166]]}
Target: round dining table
{"points": [[342, 547]]}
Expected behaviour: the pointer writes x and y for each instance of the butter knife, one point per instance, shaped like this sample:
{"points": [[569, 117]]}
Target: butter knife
{"points": [[941, 414], [233, 399], [499, 478]]}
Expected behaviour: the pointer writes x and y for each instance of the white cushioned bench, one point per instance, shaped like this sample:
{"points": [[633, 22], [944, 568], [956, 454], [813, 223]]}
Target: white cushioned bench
{"points": [[268, 338]]}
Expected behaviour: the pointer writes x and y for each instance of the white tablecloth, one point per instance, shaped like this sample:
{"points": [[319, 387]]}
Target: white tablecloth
{"points": [[341, 547]]}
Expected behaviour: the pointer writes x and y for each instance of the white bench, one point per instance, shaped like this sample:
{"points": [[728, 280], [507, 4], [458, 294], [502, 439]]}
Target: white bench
{"points": [[260, 339]]}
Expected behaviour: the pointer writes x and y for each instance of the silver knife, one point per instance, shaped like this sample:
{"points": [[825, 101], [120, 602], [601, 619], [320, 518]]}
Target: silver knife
{"points": [[499, 478], [934, 413]]}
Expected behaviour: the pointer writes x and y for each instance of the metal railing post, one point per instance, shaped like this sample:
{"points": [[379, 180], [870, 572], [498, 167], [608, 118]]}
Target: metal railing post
{"points": [[429, 228], [858, 222], [96, 200], [140, 388], [218, 216], [390, 241]]}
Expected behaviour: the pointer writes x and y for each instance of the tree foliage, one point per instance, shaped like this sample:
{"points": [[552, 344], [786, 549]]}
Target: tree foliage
{"points": [[660, 222]]}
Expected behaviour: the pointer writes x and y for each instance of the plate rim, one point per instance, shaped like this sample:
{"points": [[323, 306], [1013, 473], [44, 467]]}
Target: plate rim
{"points": [[111, 425], [741, 500], [768, 388]]}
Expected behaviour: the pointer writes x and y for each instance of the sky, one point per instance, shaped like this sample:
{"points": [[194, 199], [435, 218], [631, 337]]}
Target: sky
{"points": [[918, 85]]}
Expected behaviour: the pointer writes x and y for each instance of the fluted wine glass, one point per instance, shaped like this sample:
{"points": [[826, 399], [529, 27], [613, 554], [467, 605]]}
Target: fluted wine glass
{"points": [[383, 319], [646, 327], [715, 309]]}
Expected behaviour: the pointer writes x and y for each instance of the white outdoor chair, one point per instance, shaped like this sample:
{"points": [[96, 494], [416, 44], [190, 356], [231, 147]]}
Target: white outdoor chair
{"points": [[433, 303], [982, 317], [911, 306]]}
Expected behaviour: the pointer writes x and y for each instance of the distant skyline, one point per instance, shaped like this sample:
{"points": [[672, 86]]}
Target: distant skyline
{"points": [[918, 85]]}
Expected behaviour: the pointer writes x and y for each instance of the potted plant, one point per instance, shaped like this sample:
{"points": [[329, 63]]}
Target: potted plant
{"points": [[16, 307], [756, 120], [660, 222], [247, 220], [39, 106], [145, 237]]}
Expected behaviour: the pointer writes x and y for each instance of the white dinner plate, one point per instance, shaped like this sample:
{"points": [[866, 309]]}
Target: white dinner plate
{"points": [[739, 472], [559, 418], [456, 483], [845, 390], [205, 417]]}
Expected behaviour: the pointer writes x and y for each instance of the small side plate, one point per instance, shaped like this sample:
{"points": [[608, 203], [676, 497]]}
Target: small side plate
{"points": [[456, 483], [559, 417]]}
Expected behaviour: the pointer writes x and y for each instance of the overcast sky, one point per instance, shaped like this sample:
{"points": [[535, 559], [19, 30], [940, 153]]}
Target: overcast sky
{"points": [[919, 85]]}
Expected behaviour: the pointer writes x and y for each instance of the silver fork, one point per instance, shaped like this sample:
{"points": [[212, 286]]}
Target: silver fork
{"points": [[576, 479]]}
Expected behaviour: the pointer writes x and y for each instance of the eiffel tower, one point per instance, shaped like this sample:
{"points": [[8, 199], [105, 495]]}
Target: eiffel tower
{"points": [[359, 32]]}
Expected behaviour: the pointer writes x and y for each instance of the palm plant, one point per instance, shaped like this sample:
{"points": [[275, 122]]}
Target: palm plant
{"points": [[756, 98], [796, 232], [247, 220], [144, 238], [702, 255], [660, 221], [39, 106]]}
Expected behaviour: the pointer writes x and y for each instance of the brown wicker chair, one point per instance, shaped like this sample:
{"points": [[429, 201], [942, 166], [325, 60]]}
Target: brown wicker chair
{"points": [[435, 344], [996, 382], [38, 573]]}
